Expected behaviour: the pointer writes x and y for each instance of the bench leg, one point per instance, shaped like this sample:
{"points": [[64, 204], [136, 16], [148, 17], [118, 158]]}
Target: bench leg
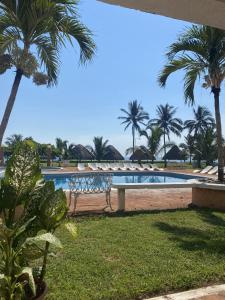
{"points": [[75, 203], [121, 199], [108, 200]]}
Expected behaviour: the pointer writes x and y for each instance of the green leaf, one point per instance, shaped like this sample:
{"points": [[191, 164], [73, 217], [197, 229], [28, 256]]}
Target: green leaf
{"points": [[28, 271], [72, 228], [46, 237]]}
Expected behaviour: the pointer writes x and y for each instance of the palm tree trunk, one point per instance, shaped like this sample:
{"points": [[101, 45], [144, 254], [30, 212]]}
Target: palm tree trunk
{"points": [[9, 107], [216, 92], [133, 134], [164, 141]]}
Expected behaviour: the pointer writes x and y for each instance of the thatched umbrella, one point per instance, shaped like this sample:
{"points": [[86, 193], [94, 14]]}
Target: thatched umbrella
{"points": [[113, 154], [210, 12], [82, 153], [141, 154], [173, 154]]}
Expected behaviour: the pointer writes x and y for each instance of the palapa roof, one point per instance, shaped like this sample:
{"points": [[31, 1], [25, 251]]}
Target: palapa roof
{"points": [[207, 12], [141, 154], [113, 154], [82, 153], [174, 154]]}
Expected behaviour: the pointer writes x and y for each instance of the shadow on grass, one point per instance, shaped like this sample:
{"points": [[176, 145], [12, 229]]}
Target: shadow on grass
{"points": [[210, 238]]}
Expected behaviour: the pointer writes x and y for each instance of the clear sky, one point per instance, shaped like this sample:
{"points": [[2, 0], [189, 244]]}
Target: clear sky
{"points": [[87, 101]]}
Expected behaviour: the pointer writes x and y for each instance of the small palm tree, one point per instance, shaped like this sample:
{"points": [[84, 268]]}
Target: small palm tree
{"points": [[202, 120], [12, 141], [32, 34], [61, 147], [168, 123], [100, 149], [188, 145], [153, 140], [134, 117], [206, 147], [200, 52]]}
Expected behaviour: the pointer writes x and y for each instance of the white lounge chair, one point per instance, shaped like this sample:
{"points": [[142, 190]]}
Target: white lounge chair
{"points": [[156, 168], [130, 167], [138, 167], [196, 171], [93, 167], [105, 167], [81, 167], [122, 166], [206, 169], [148, 167], [114, 167], [213, 171]]}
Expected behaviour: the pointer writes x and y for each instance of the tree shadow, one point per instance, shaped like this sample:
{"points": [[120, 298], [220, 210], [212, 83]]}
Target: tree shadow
{"points": [[209, 237]]}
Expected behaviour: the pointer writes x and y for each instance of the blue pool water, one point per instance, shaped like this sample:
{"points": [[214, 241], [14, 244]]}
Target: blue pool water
{"points": [[61, 180]]}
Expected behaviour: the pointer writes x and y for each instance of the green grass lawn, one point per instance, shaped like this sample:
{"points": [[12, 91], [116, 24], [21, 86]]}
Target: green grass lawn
{"points": [[130, 256]]}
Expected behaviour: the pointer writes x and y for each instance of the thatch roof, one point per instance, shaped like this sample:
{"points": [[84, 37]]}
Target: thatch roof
{"points": [[174, 154], [113, 154], [141, 154], [82, 153]]}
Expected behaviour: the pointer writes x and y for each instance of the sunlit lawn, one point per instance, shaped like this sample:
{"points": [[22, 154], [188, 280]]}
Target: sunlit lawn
{"points": [[124, 257]]}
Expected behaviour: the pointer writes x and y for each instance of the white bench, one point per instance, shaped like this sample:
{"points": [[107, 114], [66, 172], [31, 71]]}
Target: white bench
{"points": [[122, 187]]}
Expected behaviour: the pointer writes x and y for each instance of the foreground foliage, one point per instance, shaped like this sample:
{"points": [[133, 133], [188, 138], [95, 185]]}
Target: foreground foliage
{"points": [[126, 256]]}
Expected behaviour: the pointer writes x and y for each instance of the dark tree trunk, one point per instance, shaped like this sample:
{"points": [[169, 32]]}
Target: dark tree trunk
{"points": [[133, 134], [9, 108], [216, 92], [164, 141]]}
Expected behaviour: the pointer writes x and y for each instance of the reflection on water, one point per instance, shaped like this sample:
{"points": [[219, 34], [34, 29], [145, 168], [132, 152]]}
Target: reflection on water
{"points": [[62, 181]]}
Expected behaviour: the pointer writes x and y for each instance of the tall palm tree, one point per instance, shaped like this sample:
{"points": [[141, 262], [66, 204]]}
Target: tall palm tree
{"points": [[153, 140], [189, 145], [32, 34], [100, 149], [202, 120], [167, 122], [200, 52], [134, 117]]}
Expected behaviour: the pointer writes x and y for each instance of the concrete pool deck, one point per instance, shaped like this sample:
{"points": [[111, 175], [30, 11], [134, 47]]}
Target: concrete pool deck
{"points": [[160, 199]]}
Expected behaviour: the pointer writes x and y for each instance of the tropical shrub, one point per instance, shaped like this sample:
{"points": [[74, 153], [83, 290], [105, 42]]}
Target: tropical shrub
{"points": [[30, 212]]}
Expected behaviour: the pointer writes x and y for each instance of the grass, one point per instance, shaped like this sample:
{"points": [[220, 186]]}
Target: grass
{"points": [[131, 256]]}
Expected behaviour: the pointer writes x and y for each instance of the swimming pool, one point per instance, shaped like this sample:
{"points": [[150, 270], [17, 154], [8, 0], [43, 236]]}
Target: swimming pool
{"points": [[62, 180]]}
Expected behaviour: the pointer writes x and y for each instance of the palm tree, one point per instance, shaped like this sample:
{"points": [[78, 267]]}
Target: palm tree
{"points": [[12, 141], [153, 140], [100, 149], [168, 123], [188, 145], [134, 117], [200, 52], [61, 147], [202, 120], [32, 34], [206, 147]]}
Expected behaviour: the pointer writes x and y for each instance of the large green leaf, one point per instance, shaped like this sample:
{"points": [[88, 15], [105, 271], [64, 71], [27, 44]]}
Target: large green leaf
{"points": [[72, 228], [22, 173], [46, 237]]}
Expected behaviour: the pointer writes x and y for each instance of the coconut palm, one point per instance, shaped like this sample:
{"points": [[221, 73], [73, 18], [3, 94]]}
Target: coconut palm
{"points": [[100, 149], [134, 117], [32, 34], [202, 120], [153, 140], [200, 52], [188, 145], [168, 123]]}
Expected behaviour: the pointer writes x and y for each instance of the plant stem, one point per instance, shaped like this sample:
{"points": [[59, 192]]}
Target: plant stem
{"points": [[44, 264]]}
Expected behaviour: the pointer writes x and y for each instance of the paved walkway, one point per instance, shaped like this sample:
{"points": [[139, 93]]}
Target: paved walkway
{"points": [[216, 292], [138, 200]]}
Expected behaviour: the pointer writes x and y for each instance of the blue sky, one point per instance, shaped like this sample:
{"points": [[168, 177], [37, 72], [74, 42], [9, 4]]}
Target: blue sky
{"points": [[87, 101]]}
